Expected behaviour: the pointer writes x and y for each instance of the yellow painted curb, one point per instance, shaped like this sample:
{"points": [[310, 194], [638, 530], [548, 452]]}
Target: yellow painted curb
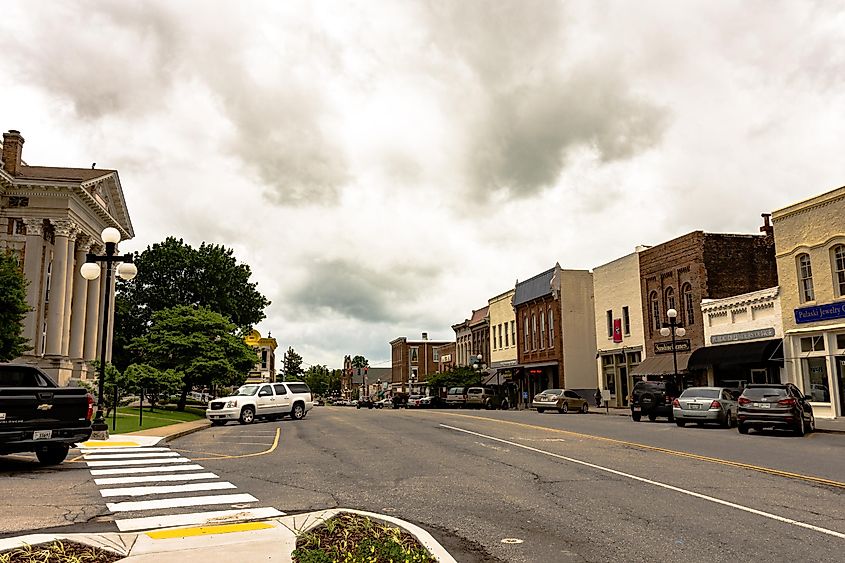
{"points": [[107, 444], [208, 530]]}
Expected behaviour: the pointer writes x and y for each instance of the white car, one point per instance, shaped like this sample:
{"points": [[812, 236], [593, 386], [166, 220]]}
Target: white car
{"points": [[262, 400]]}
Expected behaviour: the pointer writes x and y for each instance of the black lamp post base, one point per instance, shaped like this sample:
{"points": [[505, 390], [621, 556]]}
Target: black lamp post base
{"points": [[99, 428]]}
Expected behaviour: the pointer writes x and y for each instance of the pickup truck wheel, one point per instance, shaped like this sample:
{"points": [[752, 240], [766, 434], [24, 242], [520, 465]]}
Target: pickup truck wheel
{"points": [[298, 412], [247, 415], [52, 455], [636, 416], [652, 416]]}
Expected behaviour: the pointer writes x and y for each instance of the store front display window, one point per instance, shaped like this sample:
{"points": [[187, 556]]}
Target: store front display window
{"points": [[815, 379]]}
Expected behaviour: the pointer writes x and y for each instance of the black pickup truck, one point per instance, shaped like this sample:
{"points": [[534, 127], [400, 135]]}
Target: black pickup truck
{"points": [[36, 415]]}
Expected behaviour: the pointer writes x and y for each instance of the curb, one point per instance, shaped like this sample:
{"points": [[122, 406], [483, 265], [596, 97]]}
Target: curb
{"points": [[185, 432], [201, 542]]}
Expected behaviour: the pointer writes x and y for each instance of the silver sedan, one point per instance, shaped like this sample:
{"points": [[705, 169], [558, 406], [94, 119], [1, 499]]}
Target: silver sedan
{"points": [[705, 404]]}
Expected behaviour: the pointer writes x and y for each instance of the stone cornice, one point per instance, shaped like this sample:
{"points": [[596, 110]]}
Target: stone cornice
{"points": [[753, 298], [808, 205]]}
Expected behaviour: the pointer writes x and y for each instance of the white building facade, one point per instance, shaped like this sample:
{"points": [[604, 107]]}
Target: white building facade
{"points": [[50, 218]]}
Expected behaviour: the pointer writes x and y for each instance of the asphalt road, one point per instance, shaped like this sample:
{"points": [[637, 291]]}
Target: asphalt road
{"points": [[562, 487]]}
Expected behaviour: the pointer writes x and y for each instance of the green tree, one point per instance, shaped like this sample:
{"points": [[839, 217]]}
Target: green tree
{"points": [[200, 344], [13, 308], [458, 376], [113, 377], [157, 385], [360, 362], [172, 273], [318, 379], [291, 365]]}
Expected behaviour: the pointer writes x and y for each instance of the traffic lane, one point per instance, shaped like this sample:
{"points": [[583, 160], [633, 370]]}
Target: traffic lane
{"points": [[791, 496], [232, 439], [405, 463], [34, 497], [817, 453]]}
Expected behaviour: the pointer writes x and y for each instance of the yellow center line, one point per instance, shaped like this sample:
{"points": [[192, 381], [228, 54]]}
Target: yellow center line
{"points": [[269, 451], [748, 466]]}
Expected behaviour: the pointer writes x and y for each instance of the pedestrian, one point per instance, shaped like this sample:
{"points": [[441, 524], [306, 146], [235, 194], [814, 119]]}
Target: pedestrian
{"points": [[598, 397]]}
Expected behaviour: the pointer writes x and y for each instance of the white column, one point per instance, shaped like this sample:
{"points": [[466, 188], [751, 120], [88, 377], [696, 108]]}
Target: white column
{"points": [[80, 305], [69, 289], [56, 311], [33, 258], [92, 315]]}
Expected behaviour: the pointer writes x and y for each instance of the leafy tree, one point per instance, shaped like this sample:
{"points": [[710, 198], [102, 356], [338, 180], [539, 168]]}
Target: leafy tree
{"points": [[318, 379], [157, 385], [291, 365], [113, 376], [360, 362], [200, 344], [458, 376], [13, 308], [173, 273]]}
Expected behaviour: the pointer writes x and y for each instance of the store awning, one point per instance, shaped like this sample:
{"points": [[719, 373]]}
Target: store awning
{"points": [[497, 377], [756, 352], [661, 364]]}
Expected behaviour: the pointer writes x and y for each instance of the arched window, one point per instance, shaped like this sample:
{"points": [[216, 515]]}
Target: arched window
{"points": [[654, 305], [670, 298], [805, 278], [686, 298], [838, 262]]}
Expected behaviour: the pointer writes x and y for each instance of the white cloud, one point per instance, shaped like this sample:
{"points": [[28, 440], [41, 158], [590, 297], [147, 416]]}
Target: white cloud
{"points": [[387, 167]]}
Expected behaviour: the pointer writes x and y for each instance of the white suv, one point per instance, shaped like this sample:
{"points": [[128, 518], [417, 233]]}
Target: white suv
{"points": [[262, 400]]}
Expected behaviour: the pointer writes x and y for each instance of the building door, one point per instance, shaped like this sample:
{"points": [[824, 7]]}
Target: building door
{"points": [[759, 376], [623, 390], [840, 377]]}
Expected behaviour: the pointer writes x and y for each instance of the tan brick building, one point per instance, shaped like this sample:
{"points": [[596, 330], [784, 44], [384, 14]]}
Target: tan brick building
{"points": [[502, 319], [413, 361], [810, 245], [50, 218]]}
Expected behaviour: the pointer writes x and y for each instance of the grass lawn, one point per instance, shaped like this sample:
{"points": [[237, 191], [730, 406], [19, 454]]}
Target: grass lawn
{"points": [[127, 418]]}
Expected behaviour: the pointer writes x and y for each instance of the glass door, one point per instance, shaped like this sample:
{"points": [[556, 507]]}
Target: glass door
{"points": [[840, 377]]}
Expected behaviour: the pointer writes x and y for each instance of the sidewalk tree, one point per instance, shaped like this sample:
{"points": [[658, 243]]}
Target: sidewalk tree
{"points": [[291, 365], [458, 376], [319, 380], [13, 308], [157, 385], [202, 345], [173, 273], [113, 376]]}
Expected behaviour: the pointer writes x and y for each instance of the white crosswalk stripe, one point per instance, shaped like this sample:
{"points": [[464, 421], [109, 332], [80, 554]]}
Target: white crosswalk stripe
{"points": [[163, 474]]}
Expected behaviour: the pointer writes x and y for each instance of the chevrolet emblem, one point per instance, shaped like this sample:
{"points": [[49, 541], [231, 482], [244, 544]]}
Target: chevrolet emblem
{"points": [[45, 407]]}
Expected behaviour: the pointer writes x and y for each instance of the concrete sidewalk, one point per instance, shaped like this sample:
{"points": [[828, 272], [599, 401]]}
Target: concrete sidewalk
{"points": [[173, 431]]}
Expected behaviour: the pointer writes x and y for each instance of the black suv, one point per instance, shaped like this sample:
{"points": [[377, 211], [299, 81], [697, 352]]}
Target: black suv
{"points": [[775, 405], [653, 399]]}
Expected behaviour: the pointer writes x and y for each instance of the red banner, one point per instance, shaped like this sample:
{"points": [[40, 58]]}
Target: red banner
{"points": [[617, 330]]}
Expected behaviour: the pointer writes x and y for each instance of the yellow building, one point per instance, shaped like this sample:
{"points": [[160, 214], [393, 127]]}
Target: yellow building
{"points": [[265, 370], [502, 333], [810, 249]]}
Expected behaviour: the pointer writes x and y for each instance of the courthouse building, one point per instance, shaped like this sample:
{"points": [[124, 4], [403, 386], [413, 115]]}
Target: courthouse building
{"points": [[264, 370], [810, 247], [50, 217]]}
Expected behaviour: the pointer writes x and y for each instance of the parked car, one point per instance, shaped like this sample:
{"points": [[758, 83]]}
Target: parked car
{"points": [[384, 404], [561, 400], [766, 405], [352, 403], [431, 402], [413, 401], [456, 397], [485, 397], [653, 399], [262, 400], [705, 404], [36, 415], [364, 404]]}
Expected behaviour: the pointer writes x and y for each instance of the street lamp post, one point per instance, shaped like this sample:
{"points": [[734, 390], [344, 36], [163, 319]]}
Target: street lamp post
{"points": [[674, 329], [90, 270]]}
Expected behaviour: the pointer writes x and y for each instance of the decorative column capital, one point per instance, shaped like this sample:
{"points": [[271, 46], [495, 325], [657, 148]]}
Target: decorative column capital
{"points": [[65, 228], [34, 227]]}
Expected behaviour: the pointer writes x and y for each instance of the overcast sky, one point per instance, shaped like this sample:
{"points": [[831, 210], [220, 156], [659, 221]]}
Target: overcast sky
{"points": [[387, 166]]}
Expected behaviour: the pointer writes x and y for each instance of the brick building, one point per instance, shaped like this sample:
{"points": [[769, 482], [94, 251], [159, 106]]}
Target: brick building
{"points": [[447, 357], [413, 361], [463, 343], [479, 328], [50, 218], [679, 273]]}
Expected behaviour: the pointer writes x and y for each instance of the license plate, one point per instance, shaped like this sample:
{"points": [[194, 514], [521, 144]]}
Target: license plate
{"points": [[637, 409], [763, 405], [694, 406], [42, 434]]}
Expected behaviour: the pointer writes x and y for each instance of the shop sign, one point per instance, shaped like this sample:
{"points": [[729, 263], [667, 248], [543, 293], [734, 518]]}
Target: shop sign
{"points": [[617, 330], [535, 372], [820, 313], [740, 336], [666, 347]]}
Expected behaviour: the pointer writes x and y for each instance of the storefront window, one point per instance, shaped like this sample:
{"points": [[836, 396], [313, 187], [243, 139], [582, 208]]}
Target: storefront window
{"points": [[840, 341], [815, 379], [610, 382], [812, 344]]}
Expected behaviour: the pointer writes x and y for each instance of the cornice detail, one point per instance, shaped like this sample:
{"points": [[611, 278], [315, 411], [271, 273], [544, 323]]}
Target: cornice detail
{"points": [[65, 228]]}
